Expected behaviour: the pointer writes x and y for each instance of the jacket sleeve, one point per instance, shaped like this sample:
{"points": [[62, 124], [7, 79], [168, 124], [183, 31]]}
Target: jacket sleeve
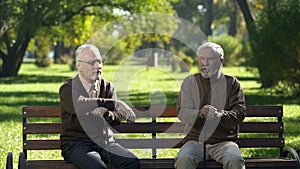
{"points": [[235, 111], [74, 101]]}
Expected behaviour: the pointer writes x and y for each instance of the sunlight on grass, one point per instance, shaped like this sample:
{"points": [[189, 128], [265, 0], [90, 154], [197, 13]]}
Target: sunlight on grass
{"points": [[11, 140]]}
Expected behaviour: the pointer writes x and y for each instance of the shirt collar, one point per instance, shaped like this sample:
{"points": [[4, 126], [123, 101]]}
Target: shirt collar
{"points": [[85, 83]]}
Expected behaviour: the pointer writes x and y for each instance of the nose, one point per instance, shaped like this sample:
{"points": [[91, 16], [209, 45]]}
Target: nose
{"points": [[204, 61], [98, 65]]}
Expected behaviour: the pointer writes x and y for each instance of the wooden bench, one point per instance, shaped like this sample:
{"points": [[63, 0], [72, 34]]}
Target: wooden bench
{"points": [[156, 130]]}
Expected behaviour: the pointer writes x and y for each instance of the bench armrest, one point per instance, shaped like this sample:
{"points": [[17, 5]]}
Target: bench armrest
{"points": [[295, 154]]}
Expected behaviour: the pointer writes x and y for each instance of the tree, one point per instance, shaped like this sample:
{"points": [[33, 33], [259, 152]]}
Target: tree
{"points": [[208, 17], [233, 19], [278, 45], [248, 17], [274, 39], [21, 19]]}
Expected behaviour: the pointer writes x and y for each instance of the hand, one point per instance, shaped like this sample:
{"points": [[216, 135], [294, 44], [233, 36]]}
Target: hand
{"points": [[100, 111], [209, 112], [126, 111]]}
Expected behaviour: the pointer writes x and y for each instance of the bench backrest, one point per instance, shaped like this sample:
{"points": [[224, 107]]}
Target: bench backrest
{"points": [[155, 128]]}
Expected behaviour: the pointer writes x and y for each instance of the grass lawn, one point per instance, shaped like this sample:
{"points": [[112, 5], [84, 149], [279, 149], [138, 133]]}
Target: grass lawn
{"points": [[137, 85]]}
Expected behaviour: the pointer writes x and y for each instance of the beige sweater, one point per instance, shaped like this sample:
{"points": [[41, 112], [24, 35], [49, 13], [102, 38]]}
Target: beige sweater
{"points": [[225, 94]]}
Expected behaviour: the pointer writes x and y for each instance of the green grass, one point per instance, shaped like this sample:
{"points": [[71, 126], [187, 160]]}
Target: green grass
{"points": [[135, 84]]}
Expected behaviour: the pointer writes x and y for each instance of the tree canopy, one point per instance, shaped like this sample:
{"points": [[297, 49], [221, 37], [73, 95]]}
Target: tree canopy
{"points": [[22, 20]]}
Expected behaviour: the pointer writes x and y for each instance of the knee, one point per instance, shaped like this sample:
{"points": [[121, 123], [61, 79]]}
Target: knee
{"points": [[184, 160], [133, 163], [136, 163], [234, 161]]}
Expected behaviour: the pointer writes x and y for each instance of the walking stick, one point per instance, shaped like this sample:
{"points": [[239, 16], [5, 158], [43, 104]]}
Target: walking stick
{"points": [[107, 144], [204, 155]]}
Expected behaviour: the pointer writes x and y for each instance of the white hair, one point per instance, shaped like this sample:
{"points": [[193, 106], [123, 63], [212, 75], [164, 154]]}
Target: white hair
{"points": [[217, 49], [86, 47]]}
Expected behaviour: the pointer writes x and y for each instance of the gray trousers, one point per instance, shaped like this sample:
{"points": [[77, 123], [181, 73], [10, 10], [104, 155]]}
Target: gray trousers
{"points": [[226, 153], [91, 156]]}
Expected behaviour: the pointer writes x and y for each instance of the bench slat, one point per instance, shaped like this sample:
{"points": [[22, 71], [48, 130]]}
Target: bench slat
{"points": [[159, 127], [41, 145], [42, 128], [41, 111], [169, 143], [170, 111], [261, 142], [156, 143], [264, 111], [261, 127]]}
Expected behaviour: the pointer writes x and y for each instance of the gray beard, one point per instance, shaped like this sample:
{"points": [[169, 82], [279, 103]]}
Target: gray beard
{"points": [[205, 75]]}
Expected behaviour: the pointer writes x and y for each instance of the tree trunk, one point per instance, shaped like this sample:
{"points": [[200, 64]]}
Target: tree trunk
{"points": [[232, 24], [252, 31], [13, 59], [59, 50], [249, 19], [11, 64], [208, 17]]}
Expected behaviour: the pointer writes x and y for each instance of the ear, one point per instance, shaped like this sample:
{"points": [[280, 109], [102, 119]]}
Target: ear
{"points": [[78, 67]]}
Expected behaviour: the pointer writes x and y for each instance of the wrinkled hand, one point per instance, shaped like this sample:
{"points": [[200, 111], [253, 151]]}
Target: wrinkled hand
{"points": [[209, 112], [100, 111], [126, 111]]}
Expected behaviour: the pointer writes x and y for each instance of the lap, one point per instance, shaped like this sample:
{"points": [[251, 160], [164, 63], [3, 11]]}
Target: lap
{"points": [[192, 148], [227, 150], [195, 148], [90, 154]]}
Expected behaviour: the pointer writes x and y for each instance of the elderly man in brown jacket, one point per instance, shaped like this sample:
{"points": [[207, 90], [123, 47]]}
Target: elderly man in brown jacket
{"points": [[88, 109], [212, 105]]}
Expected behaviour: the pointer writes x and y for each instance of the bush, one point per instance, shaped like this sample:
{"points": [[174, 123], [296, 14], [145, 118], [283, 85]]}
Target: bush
{"points": [[232, 49], [43, 61], [183, 61], [65, 59], [186, 63], [174, 64]]}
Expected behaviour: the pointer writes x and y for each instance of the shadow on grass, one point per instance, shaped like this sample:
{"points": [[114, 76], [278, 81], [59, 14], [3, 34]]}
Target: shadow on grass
{"points": [[8, 116], [31, 98], [266, 99], [22, 79], [143, 98], [13, 108], [291, 125], [241, 78]]}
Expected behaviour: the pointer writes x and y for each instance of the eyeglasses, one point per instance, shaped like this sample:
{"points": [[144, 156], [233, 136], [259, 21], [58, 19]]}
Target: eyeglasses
{"points": [[91, 62]]}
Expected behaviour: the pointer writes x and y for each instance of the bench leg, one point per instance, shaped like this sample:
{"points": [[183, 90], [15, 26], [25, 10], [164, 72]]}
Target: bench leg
{"points": [[22, 161], [9, 161]]}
